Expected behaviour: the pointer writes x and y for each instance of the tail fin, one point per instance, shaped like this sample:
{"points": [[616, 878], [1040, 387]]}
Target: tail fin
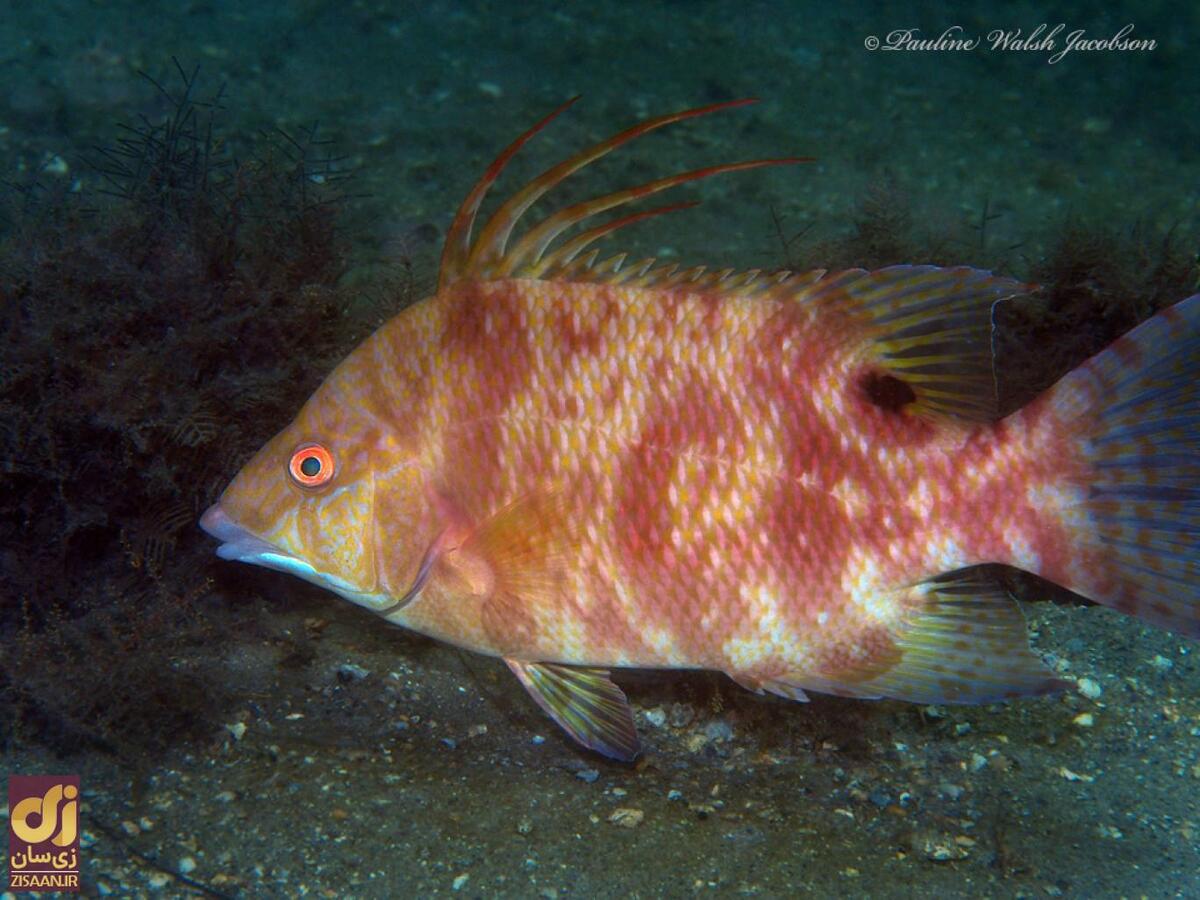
{"points": [[1138, 408]]}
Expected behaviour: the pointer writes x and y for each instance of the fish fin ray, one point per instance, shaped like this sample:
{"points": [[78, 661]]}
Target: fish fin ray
{"points": [[786, 688], [927, 326], [1136, 407], [966, 643], [526, 256], [489, 256], [746, 682], [525, 546], [585, 703], [457, 249], [782, 686], [835, 687]]}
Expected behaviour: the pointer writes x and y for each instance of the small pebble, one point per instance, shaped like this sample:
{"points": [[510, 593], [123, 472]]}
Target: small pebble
{"points": [[1074, 776], [476, 730], [681, 715], [718, 730], [939, 847], [237, 729], [1090, 688], [461, 881], [678, 795], [1161, 663], [537, 740], [627, 817], [588, 775], [450, 742], [130, 828], [158, 880], [880, 798], [490, 89], [348, 672], [186, 865], [962, 728], [1084, 720], [56, 165], [656, 717], [950, 791]]}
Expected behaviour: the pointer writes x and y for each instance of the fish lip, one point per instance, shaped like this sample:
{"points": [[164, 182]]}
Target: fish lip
{"points": [[237, 543], [240, 545]]}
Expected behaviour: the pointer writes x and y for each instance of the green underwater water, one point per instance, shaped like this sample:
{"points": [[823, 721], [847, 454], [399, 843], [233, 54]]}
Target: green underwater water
{"points": [[261, 738]]}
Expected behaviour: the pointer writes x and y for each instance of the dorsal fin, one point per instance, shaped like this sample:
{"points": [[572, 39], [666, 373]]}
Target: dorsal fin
{"points": [[489, 256], [929, 327]]}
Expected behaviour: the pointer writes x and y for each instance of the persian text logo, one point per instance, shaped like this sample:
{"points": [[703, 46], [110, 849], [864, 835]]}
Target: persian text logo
{"points": [[43, 832]]}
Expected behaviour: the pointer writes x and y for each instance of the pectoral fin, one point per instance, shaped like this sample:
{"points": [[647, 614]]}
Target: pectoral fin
{"points": [[518, 552], [585, 702]]}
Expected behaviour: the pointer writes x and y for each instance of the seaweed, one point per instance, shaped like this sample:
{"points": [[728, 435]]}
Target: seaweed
{"points": [[883, 232], [1094, 284], [151, 332]]}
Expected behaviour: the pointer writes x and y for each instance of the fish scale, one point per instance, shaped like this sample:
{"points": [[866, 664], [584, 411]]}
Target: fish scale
{"points": [[576, 464]]}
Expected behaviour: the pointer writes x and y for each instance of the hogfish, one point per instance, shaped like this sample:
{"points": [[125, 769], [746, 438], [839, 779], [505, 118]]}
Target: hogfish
{"points": [[579, 463]]}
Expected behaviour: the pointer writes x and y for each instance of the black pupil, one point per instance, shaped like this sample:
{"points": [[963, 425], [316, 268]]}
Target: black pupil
{"points": [[310, 466]]}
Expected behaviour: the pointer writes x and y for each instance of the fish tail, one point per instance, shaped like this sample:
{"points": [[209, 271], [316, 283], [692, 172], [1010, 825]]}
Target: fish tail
{"points": [[1134, 514]]}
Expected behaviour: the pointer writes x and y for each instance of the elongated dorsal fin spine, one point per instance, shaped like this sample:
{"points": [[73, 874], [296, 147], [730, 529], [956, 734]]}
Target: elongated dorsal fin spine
{"points": [[489, 258], [458, 239]]}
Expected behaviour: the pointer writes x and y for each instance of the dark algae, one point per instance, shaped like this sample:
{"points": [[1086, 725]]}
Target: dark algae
{"points": [[117, 408], [186, 249]]}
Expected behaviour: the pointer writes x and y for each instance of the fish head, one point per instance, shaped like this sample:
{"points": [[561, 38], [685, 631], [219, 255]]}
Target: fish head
{"points": [[312, 501]]}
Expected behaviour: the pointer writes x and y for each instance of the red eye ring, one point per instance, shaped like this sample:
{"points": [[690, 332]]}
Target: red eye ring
{"points": [[311, 465]]}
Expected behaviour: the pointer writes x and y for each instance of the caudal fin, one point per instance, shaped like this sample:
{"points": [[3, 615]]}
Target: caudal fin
{"points": [[1137, 516]]}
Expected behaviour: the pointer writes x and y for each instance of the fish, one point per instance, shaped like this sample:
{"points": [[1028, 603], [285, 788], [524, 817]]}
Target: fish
{"points": [[579, 463]]}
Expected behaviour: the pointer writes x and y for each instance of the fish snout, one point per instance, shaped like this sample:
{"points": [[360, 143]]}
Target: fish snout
{"points": [[237, 543], [217, 523]]}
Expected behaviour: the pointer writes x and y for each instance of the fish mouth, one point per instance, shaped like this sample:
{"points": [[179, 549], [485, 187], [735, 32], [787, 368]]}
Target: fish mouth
{"points": [[240, 545]]}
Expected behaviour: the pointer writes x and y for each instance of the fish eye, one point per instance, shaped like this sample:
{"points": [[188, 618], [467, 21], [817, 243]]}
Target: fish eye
{"points": [[311, 465]]}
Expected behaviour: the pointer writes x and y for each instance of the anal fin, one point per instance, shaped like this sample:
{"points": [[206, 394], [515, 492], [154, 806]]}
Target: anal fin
{"points": [[967, 644], [585, 703]]}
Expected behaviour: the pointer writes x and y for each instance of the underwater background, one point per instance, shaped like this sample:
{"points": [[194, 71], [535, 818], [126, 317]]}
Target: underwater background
{"points": [[206, 205]]}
